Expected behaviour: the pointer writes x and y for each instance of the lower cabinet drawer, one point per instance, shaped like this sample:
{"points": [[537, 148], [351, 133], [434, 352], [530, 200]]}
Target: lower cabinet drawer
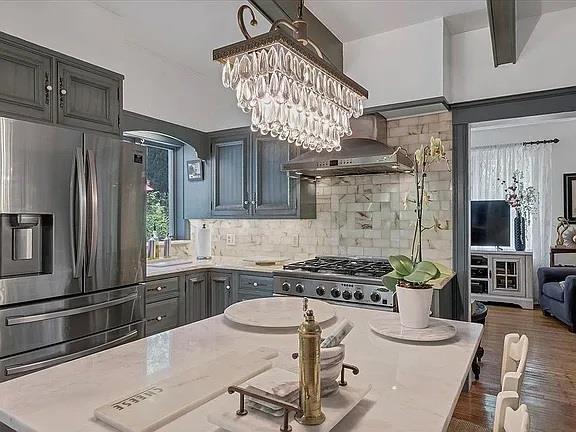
{"points": [[250, 282], [252, 287], [161, 316], [163, 288]]}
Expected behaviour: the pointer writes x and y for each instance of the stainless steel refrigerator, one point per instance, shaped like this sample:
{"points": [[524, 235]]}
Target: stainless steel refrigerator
{"points": [[72, 246]]}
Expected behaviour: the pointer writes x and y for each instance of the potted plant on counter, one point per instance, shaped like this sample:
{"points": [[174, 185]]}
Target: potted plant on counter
{"points": [[411, 277], [411, 282]]}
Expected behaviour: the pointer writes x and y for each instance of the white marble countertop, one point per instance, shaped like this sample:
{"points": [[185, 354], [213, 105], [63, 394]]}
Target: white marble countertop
{"points": [[215, 263], [414, 387]]}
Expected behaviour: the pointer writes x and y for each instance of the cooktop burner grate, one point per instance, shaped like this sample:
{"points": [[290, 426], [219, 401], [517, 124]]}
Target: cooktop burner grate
{"points": [[344, 266]]}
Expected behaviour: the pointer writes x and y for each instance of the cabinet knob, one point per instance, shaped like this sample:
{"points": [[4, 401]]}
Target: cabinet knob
{"points": [[227, 287], [246, 202], [63, 92], [253, 202], [255, 284], [159, 318], [49, 88], [160, 288]]}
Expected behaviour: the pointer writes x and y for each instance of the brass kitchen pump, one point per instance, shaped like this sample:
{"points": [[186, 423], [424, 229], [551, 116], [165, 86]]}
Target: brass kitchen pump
{"points": [[309, 334]]}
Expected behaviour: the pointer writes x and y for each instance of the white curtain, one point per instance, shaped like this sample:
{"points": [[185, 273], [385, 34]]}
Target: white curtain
{"points": [[490, 163]]}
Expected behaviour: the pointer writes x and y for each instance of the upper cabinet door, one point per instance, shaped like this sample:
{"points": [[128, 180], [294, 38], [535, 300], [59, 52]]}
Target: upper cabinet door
{"points": [[230, 195], [88, 99], [26, 88], [274, 192]]}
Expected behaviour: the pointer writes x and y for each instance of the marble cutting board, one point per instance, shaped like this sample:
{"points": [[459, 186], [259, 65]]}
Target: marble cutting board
{"points": [[150, 408]]}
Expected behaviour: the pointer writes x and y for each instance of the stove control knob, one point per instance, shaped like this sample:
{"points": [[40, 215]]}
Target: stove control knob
{"points": [[375, 297], [299, 288], [358, 295], [346, 295], [320, 290], [285, 286], [335, 292]]}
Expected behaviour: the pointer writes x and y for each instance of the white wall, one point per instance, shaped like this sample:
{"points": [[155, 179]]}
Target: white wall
{"points": [[546, 61], [400, 65], [563, 153], [154, 85]]}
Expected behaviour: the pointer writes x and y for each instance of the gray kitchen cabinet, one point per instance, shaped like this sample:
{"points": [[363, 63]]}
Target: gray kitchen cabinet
{"points": [[252, 286], [43, 85], [221, 292], [274, 189], [162, 316], [197, 297], [248, 181], [88, 99], [164, 309], [25, 82], [230, 174]]}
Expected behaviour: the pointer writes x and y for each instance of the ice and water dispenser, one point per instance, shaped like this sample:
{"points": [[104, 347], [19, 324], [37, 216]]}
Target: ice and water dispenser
{"points": [[26, 244]]}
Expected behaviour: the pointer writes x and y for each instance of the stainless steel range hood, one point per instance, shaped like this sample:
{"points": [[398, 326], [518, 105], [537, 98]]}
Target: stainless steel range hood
{"points": [[364, 152]]}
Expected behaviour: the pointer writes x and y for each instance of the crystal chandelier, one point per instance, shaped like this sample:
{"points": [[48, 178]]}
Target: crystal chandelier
{"points": [[292, 92]]}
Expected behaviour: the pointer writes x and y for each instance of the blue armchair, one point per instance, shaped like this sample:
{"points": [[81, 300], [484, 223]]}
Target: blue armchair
{"points": [[558, 293]]}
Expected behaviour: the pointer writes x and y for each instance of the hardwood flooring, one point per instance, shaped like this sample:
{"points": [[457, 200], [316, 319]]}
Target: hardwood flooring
{"points": [[549, 388]]}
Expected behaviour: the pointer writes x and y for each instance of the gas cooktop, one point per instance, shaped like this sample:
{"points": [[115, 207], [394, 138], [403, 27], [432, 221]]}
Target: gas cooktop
{"points": [[355, 280], [353, 266]]}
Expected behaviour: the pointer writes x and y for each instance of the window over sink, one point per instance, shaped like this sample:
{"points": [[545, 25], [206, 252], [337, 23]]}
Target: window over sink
{"points": [[159, 190]]}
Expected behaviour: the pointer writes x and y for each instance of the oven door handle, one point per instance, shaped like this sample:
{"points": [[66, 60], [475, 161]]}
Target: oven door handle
{"points": [[69, 312], [31, 367]]}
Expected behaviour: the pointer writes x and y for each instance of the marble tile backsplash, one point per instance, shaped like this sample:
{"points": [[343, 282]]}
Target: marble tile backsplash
{"points": [[356, 215]]}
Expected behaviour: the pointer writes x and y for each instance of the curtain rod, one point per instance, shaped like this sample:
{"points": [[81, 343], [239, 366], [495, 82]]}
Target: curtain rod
{"points": [[525, 144], [548, 141]]}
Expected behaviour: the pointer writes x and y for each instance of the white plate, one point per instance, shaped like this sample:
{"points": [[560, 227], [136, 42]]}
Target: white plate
{"points": [[389, 326], [277, 312]]}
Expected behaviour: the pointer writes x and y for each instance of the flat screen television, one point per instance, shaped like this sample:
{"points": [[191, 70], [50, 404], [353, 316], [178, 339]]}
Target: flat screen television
{"points": [[490, 223]]}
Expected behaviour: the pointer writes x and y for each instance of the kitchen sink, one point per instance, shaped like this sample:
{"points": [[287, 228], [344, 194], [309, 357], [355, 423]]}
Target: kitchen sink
{"points": [[169, 262]]}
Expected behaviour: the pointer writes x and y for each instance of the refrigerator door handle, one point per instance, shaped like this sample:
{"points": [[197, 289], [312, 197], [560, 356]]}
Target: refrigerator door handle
{"points": [[94, 222], [78, 198], [31, 367]]}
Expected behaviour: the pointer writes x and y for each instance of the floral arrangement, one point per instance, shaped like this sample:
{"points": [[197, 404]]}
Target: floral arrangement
{"points": [[522, 198], [413, 271], [424, 157]]}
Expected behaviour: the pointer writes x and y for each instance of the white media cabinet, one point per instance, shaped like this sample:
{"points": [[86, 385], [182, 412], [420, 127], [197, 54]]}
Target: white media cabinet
{"points": [[502, 276]]}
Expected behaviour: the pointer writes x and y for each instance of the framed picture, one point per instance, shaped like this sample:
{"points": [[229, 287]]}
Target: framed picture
{"points": [[195, 170], [570, 197]]}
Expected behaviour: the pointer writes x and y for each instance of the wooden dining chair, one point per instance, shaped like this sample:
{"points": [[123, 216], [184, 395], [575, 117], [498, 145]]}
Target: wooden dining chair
{"points": [[509, 417], [514, 361]]}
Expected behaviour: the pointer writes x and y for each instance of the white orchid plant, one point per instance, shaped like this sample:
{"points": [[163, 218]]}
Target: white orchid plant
{"points": [[413, 272]]}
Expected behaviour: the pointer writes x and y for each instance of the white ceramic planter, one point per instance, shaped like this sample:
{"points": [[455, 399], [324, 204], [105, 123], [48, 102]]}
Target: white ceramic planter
{"points": [[414, 305]]}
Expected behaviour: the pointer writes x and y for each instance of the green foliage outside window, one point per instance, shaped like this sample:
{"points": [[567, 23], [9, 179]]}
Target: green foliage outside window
{"points": [[157, 214]]}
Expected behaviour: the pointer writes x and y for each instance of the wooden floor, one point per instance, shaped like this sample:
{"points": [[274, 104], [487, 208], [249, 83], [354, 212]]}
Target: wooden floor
{"points": [[549, 388]]}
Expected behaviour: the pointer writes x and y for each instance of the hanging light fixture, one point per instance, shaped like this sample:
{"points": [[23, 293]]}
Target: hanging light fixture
{"points": [[292, 92]]}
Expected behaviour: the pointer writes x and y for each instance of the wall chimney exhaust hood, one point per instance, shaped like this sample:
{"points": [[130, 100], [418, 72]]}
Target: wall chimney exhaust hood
{"points": [[364, 152]]}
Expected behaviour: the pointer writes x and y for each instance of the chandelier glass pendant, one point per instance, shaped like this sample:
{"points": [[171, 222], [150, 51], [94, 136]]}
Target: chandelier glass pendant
{"points": [[292, 92]]}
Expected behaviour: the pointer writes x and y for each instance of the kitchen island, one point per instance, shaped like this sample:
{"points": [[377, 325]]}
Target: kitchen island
{"points": [[415, 387]]}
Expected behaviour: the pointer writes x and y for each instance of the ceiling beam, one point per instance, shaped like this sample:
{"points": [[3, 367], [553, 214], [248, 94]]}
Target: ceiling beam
{"points": [[328, 43], [503, 29]]}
